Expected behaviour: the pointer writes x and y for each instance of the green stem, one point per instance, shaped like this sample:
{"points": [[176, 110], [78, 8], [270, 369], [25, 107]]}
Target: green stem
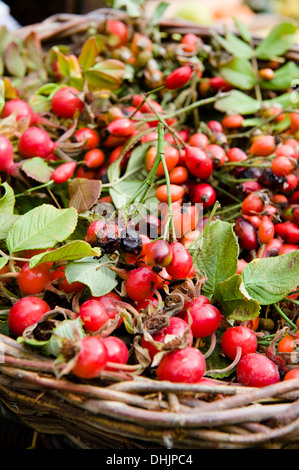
{"points": [[212, 213], [35, 188], [282, 314], [190, 107], [142, 102], [169, 128], [160, 151]]}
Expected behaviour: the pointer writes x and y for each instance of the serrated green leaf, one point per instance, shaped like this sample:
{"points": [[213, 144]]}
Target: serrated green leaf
{"points": [[38, 169], [236, 101], [6, 221], [100, 279], [219, 254], [41, 227], [239, 72], [269, 280], [236, 303], [243, 30], [69, 252], [277, 42], [236, 46]]}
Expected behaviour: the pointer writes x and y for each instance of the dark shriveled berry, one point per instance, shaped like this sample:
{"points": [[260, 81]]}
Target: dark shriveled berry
{"points": [[131, 242], [109, 238]]}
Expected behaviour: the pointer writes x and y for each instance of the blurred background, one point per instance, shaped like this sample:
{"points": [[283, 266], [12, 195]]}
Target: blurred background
{"points": [[259, 15]]}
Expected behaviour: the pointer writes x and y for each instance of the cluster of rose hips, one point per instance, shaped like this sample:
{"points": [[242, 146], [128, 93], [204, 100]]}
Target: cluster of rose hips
{"points": [[267, 225]]}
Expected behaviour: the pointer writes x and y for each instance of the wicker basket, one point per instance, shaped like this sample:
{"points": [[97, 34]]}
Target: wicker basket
{"points": [[123, 411]]}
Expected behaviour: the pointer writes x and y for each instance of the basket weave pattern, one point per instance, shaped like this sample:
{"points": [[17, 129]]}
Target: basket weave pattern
{"points": [[119, 410]]}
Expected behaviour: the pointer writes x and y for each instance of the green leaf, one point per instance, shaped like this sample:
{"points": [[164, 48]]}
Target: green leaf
{"points": [[38, 169], [7, 201], [269, 280], [243, 30], [132, 6], [33, 52], [3, 261], [83, 193], [239, 72], [111, 68], [100, 279], [14, 61], [283, 77], [41, 227], [89, 53], [278, 42], [234, 299], [236, 101], [219, 254], [137, 157], [236, 46], [63, 63], [97, 80], [6, 221], [122, 191], [71, 251], [158, 13]]}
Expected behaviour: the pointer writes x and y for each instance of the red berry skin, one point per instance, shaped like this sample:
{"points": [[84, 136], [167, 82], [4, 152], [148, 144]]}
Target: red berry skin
{"points": [[92, 358], [63, 172], [25, 312], [159, 253], [256, 370], [246, 233], [122, 127], [109, 301], [118, 30], [93, 229], [35, 142], [179, 77], [21, 107], [205, 319], [88, 136], [93, 315], [117, 351], [32, 281], [238, 336], [184, 365], [177, 327], [198, 162], [6, 155], [64, 285], [141, 284], [203, 193], [288, 231], [181, 263], [65, 102]]}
